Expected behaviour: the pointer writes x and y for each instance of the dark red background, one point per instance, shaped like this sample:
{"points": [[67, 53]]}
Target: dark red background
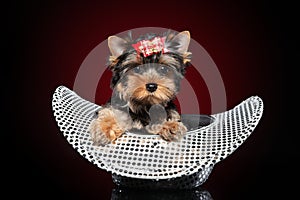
{"points": [[249, 42]]}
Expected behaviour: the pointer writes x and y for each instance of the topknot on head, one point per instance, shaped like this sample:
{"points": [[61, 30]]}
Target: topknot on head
{"points": [[145, 45]]}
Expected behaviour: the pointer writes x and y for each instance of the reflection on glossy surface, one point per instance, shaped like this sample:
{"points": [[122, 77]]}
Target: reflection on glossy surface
{"points": [[182, 183], [138, 194]]}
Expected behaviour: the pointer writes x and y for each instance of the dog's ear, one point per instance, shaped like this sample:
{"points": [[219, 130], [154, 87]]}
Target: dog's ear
{"points": [[116, 45], [182, 40]]}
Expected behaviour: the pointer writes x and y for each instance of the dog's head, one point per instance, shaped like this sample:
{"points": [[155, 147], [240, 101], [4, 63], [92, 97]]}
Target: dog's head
{"points": [[148, 70]]}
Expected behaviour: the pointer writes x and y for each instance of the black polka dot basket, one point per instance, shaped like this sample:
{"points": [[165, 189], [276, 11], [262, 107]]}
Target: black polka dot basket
{"points": [[147, 161]]}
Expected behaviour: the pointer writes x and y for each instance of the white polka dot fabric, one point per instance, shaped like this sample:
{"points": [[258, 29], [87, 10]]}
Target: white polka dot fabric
{"points": [[143, 156]]}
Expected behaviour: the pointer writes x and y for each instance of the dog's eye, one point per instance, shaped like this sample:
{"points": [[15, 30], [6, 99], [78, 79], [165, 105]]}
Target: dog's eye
{"points": [[137, 69], [164, 69]]}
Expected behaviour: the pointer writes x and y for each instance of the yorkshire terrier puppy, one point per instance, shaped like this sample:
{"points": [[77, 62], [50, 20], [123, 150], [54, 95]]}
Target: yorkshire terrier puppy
{"points": [[146, 78]]}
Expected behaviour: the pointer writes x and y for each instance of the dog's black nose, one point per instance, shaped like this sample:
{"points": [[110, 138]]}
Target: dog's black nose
{"points": [[151, 87]]}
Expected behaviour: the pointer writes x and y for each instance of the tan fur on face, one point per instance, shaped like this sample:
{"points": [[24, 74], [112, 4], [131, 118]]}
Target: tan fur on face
{"points": [[136, 88]]}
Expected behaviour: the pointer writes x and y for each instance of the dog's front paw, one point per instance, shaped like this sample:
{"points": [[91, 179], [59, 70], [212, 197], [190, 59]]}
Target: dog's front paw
{"points": [[104, 131], [169, 130], [172, 130], [106, 128]]}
